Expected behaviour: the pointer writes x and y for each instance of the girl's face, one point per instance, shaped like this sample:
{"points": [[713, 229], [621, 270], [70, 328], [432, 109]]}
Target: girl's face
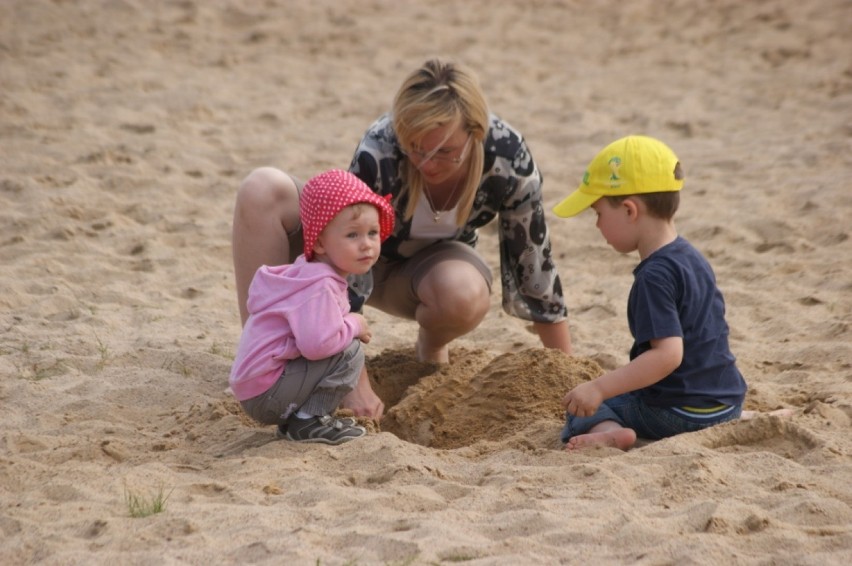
{"points": [[616, 225], [351, 242], [441, 152]]}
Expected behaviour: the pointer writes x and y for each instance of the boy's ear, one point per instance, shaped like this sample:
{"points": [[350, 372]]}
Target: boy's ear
{"points": [[632, 208]]}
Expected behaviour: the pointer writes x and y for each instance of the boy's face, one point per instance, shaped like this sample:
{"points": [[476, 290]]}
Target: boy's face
{"points": [[351, 242], [616, 224]]}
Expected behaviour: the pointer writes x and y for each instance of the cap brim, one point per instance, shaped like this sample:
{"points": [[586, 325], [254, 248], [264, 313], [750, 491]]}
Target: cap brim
{"points": [[574, 204]]}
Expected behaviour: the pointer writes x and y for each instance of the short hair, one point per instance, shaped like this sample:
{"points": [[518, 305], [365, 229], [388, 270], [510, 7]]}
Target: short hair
{"points": [[440, 93], [358, 208], [661, 205]]}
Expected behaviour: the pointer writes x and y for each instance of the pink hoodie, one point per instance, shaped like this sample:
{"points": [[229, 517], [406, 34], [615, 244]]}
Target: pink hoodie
{"points": [[295, 310]]}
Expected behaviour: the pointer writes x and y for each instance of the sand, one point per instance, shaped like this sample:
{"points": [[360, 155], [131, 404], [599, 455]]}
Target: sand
{"points": [[125, 128]]}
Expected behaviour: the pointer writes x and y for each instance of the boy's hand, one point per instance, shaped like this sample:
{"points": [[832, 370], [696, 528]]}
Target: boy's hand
{"points": [[583, 400]]}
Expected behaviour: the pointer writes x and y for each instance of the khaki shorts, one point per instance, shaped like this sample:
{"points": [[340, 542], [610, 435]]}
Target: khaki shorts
{"points": [[395, 282]]}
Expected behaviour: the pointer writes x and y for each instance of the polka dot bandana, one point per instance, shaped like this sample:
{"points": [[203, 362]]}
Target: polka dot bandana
{"points": [[327, 194]]}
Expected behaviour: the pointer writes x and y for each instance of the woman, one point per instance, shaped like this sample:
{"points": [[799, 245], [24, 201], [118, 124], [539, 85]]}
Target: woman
{"points": [[450, 167]]}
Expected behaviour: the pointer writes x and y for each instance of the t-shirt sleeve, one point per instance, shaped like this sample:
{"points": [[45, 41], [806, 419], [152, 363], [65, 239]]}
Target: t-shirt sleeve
{"points": [[654, 306]]}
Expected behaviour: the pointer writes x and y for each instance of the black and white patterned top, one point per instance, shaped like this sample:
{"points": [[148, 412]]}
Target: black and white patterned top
{"points": [[510, 191]]}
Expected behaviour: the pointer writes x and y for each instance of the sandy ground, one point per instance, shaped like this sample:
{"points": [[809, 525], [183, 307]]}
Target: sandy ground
{"points": [[125, 128]]}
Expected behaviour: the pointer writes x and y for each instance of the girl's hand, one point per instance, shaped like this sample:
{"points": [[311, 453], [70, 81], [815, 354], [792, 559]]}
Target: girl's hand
{"points": [[366, 334]]}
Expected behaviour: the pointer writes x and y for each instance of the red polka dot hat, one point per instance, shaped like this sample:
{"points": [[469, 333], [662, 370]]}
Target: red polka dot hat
{"points": [[326, 194]]}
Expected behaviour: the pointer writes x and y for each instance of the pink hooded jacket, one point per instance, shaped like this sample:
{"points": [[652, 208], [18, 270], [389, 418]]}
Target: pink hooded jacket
{"points": [[301, 309]]}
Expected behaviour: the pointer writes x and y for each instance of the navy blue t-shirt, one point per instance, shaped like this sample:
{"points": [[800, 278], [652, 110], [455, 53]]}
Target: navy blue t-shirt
{"points": [[674, 293]]}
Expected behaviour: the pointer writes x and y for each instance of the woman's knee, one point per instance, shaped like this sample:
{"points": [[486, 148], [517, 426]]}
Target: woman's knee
{"points": [[459, 292], [267, 190], [267, 202]]}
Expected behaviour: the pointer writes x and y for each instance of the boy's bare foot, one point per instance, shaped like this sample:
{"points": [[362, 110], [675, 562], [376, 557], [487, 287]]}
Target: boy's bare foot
{"points": [[622, 438]]}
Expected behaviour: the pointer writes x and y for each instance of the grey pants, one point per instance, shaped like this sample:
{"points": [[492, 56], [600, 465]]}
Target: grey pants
{"points": [[313, 386]]}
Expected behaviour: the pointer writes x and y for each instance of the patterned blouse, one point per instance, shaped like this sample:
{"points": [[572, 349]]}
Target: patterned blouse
{"points": [[510, 191]]}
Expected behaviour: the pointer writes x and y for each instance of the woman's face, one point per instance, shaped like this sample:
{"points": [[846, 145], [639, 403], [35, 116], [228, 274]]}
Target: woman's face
{"points": [[441, 152]]}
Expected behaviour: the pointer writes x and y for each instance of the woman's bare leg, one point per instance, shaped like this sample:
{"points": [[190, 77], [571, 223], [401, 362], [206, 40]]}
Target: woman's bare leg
{"points": [[454, 298], [267, 208], [606, 433]]}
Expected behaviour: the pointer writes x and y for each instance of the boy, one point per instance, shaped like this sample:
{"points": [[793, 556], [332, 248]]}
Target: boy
{"points": [[682, 376], [300, 351]]}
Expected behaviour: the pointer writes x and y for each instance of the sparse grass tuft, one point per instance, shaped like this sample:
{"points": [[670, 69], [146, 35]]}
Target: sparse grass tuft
{"points": [[144, 506], [218, 349], [103, 350], [179, 366]]}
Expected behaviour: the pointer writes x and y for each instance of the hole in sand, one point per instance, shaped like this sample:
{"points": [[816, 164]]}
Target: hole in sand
{"points": [[477, 396]]}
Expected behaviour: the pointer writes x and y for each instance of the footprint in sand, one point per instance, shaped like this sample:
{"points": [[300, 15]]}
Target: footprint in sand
{"points": [[763, 432]]}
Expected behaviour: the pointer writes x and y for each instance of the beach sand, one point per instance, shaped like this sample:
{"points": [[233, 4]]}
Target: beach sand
{"points": [[125, 129]]}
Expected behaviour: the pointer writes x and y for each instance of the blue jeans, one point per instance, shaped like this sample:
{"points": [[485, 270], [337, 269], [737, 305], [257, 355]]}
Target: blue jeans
{"points": [[649, 422]]}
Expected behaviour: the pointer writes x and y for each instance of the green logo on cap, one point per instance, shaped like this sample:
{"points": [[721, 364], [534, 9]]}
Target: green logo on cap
{"points": [[614, 164]]}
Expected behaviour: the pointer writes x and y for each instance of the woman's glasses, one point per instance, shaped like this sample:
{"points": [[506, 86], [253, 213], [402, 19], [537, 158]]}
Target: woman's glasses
{"points": [[442, 155]]}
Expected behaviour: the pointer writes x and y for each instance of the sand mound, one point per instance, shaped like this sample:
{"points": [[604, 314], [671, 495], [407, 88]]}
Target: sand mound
{"points": [[464, 403]]}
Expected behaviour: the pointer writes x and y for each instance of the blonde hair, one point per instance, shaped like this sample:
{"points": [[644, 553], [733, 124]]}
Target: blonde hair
{"points": [[437, 94]]}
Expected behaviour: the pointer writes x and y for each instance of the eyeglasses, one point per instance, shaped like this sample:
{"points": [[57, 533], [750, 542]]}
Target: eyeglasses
{"points": [[440, 154]]}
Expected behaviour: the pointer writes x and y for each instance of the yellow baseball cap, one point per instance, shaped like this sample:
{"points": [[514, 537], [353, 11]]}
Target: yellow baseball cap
{"points": [[630, 166]]}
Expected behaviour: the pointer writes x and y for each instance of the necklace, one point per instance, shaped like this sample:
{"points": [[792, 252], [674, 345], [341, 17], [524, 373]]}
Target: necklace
{"points": [[436, 214]]}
